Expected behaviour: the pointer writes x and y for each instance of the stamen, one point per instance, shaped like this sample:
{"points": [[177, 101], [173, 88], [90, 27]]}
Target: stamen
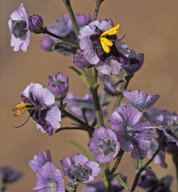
{"points": [[21, 108], [23, 123], [106, 43], [111, 31]]}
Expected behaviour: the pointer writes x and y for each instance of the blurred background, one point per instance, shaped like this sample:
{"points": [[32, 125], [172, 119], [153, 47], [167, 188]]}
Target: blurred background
{"points": [[150, 27]]}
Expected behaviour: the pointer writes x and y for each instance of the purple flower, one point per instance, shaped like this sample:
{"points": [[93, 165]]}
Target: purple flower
{"points": [[19, 27], [79, 170], [79, 60], [135, 62], [168, 122], [82, 108], [147, 179], [101, 47], [35, 23], [160, 157], [39, 102], [99, 186], [104, 145], [132, 129], [149, 182], [63, 28], [110, 86], [49, 179], [39, 160], [165, 185], [58, 84], [9, 175], [140, 100]]}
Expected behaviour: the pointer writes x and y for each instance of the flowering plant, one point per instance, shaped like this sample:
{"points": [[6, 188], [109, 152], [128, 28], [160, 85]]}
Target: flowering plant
{"points": [[100, 56]]}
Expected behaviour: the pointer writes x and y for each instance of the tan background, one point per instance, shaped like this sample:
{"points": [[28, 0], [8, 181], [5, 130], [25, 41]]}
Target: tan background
{"points": [[150, 26]]}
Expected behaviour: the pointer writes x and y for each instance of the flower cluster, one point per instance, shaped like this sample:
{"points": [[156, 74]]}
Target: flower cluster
{"points": [[96, 48]]}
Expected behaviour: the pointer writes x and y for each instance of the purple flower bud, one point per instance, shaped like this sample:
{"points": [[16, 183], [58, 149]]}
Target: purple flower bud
{"points": [[79, 170], [9, 175], [58, 84], [35, 23], [135, 62], [39, 160], [79, 60], [104, 145], [147, 179]]}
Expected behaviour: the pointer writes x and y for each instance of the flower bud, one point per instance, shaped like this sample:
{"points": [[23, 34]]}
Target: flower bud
{"points": [[35, 23], [58, 84], [79, 60]]}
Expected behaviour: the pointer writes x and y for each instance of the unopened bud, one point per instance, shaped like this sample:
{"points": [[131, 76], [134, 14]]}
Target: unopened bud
{"points": [[35, 23]]}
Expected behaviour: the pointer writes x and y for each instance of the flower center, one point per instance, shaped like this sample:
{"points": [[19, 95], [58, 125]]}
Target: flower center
{"points": [[105, 42], [57, 83], [128, 130], [22, 108], [19, 29], [107, 147], [79, 172], [172, 129], [53, 186]]}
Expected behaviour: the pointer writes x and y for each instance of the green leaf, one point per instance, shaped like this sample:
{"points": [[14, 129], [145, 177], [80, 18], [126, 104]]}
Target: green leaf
{"points": [[82, 76], [83, 150], [120, 181]]}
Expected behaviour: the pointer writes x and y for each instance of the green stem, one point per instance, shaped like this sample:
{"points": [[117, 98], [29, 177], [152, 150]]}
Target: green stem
{"points": [[4, 187], [98, 3], [175, 160], [45, 31], [142, 169], [118, 159], [120, 96], [99, 115], [105, 174], [90, 129], [72, 16], [74, 128]]}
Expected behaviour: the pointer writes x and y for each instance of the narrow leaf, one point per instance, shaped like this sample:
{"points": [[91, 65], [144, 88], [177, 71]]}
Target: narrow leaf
{"points": [[83, 150], [121, 182]]}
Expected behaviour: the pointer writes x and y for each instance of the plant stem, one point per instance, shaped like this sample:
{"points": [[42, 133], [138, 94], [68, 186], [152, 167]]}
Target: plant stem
{"points": [[120, 96], [175, 160], [72, 16], [45, 31], [74, 128], [105, 174], [118, 159], [142, 169], [98, 3], [89, 128]]}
